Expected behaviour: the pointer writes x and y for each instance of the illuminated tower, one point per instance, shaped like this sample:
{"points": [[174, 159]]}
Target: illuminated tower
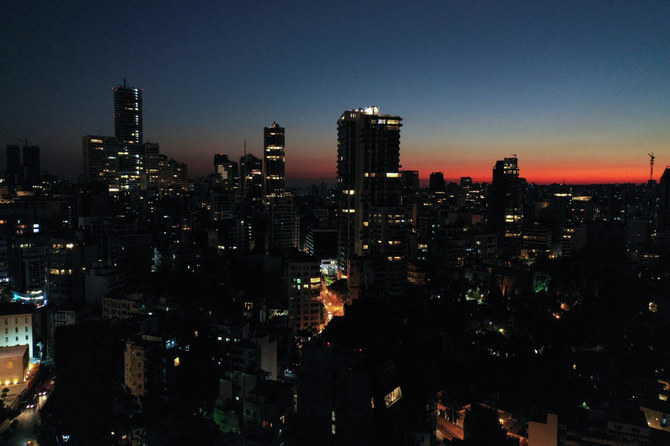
{"points": [[128, 132], [128, 114], [274, 161], [372, 222], [506, 203]]}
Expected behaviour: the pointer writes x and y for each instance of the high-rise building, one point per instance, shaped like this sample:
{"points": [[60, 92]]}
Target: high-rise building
{"points": [[409, 179], [372, 222], [284, 224], [251, 173], [150, 176], [303, 282], [436, 183], [227, 171], [664, 202], [26, 173], [274, 161], [31, 164], [14, 174], [506, 202], [128, 114], [101, 161]]}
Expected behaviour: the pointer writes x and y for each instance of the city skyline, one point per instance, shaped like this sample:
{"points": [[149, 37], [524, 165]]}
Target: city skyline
{"points": [[578, 91]]}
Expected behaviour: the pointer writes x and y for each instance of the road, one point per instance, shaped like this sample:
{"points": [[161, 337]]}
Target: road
{"points": [[29, 422]]}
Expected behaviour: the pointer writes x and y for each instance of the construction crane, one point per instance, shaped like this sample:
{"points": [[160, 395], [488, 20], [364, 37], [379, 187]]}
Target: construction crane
{"points": [[651, 164]]}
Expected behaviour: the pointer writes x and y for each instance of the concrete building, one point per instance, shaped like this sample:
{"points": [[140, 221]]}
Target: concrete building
{"points": [[227, 172], [14, 172], [27, 267], [372, 222], [16, 326], [128, 118], [121, 307], [141, 355], [505, 207], [14, 364], [274, 161], [302, 279], [436, 183], [251, 175], [284, 224]]}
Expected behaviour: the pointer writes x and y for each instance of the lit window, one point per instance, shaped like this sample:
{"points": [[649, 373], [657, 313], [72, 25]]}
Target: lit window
{"points": [[393, 397]]}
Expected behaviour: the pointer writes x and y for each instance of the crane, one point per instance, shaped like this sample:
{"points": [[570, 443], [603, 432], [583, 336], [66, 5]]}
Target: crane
{"points": [[651, 164]]}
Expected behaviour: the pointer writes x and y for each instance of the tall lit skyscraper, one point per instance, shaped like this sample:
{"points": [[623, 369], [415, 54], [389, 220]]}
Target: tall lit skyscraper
{"points": [[128, 114], [372, 222], [274, 161], [506, 203]]}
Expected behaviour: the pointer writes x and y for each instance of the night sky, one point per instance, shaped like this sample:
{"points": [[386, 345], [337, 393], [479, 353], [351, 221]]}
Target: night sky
{"points": [[580, 91]]}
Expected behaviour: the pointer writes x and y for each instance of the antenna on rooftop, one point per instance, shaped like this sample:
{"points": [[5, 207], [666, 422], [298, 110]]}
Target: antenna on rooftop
{"points": [[651, 165]]}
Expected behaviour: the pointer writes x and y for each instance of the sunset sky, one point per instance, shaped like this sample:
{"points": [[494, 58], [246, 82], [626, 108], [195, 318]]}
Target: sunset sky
{"points": [[579, 90]]}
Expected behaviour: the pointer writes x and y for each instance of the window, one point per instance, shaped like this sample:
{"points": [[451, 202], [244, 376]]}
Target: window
{"points": [[16, 329], [26, 337], [393, 397], [26, 329]]}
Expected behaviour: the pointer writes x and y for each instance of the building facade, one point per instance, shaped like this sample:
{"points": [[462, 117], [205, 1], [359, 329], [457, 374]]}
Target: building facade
{"points": [[372, 221], [128, 126], [506, 204], [274, 161]]}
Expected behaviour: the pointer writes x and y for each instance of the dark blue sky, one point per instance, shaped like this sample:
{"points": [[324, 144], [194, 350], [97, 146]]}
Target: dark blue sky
{"points": [[579, 90]]}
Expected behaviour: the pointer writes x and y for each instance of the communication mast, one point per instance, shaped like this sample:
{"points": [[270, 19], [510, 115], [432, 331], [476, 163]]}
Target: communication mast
{"points": [[651, 164]]}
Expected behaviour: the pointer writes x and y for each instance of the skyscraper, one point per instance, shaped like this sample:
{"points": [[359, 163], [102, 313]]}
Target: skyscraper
{"points": [[14, 174], [227, 171], [101, 162], [128, 114], [506, 203], [31, 163], [436, 183], [664, 201], [274, 161], [372, 222], [251, 173]]}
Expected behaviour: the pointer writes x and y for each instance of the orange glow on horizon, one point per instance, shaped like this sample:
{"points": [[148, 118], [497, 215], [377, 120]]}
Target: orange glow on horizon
{"points": [[538, 174]]}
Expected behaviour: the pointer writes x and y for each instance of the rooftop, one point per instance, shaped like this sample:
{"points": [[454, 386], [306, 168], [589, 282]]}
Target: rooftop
{"points": [[10, 352]]}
